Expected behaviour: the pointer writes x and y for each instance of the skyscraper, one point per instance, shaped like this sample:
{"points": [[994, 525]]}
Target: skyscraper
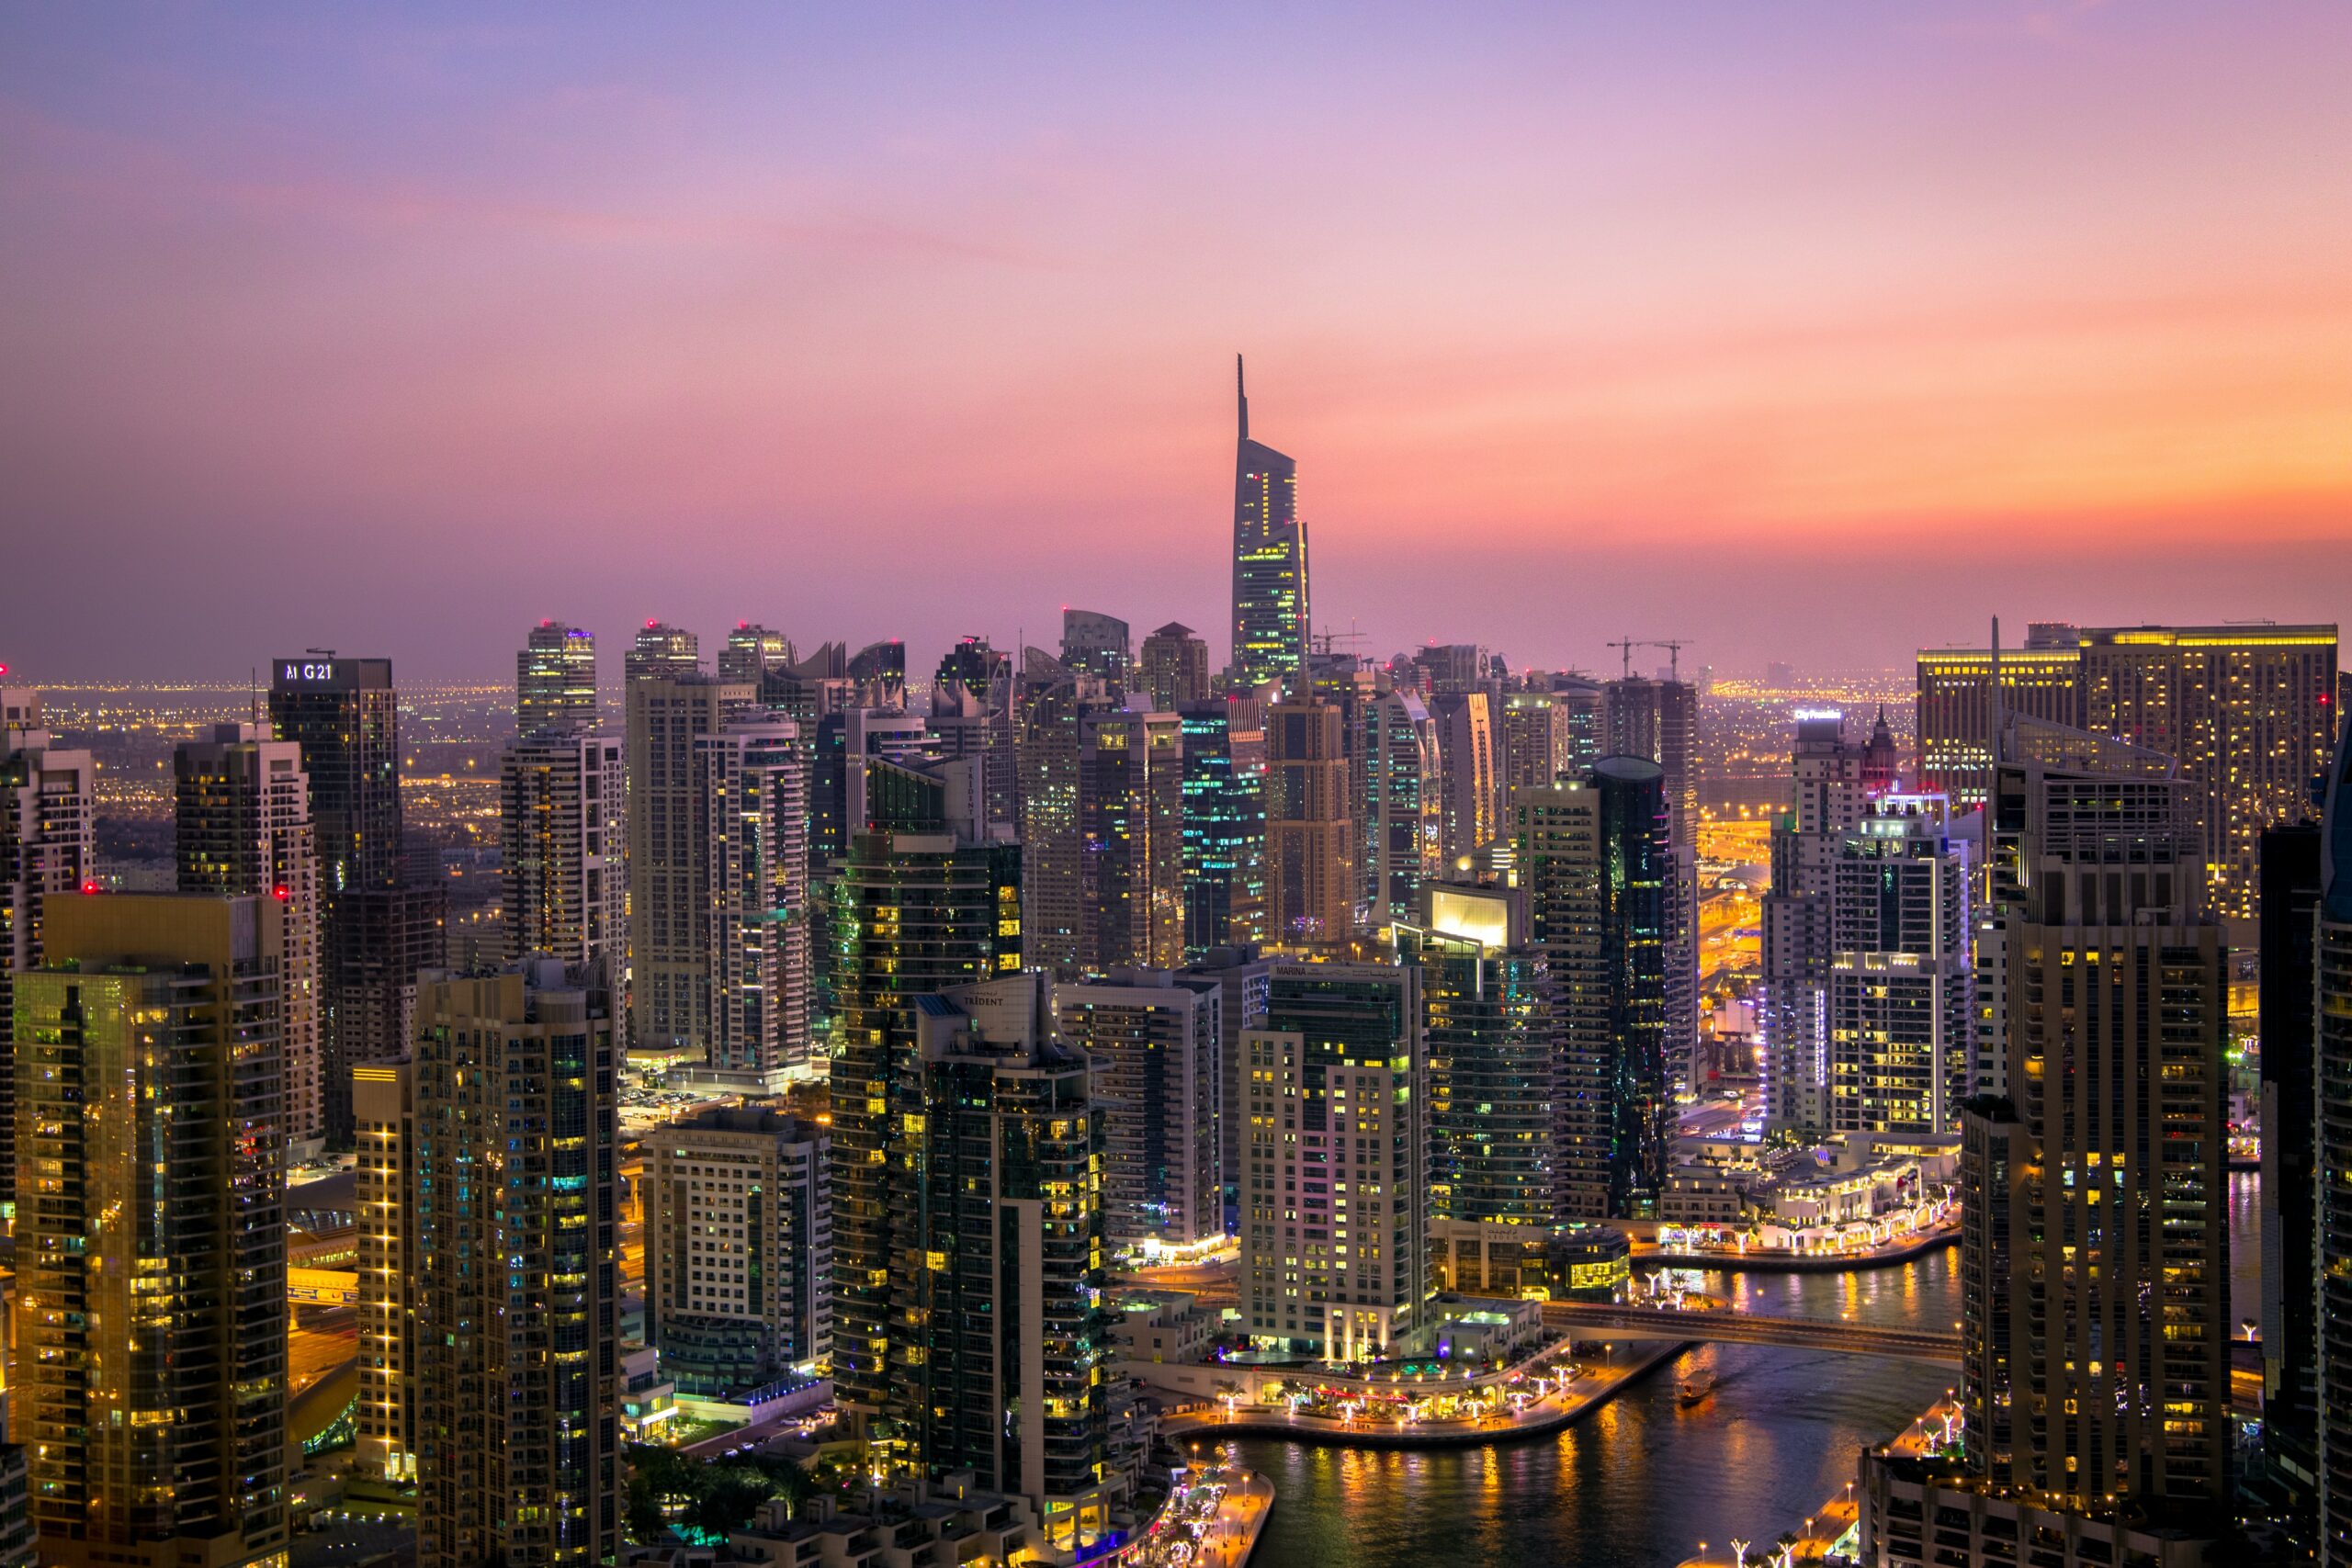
{"points": [[242, 819], [1901, 1051], [1225, 823], [379, 941], [1155, 1042], [926, 905], [1269, 585], [346, 717], [1404, 806], [1130, 822], [1053, 898], [1466, 760], [1335, 1095], [2095, 1314], [753, 935], [516, 1331], [48, 849], [751, 651], [1593, 859], [562, 833], [1175, 666], [555, 681], [2290, 1120], [739, 1271], [662, 652], [1535, 745], [152, 1260], [1096, 643], [1956, 709], [1489, 1025], [1659, 719], [2248, 710], [1829, 800], [669, 860], [1310, 837], [971, 716], [2332, 1049], [384, 1192]]}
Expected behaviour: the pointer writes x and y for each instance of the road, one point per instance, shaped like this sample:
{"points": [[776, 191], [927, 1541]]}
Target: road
{"points": [[1594, 1320]]}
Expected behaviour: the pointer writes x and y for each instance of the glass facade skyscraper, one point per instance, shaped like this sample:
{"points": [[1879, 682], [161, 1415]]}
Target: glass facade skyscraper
{"points": [[1270, 604]]}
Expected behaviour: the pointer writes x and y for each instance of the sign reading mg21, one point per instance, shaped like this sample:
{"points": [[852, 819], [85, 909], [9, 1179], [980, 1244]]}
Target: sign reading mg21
{"points": [[321, 671]]}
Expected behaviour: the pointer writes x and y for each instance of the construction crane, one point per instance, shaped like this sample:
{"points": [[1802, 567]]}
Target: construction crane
{"points": [[1673, 646]]}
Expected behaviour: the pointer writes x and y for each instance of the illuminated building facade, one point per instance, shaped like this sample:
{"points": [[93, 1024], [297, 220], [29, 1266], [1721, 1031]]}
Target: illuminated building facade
{"points": [[662, 652], [1956, 712], [1593, 859], [151, 1241], [1829, 800], [1470, 804], [346, 717], [1155, 1040], [555, 681], [1310, 836], [1334, 1189], [1403, 805], [1535, 744], [1490, 1032], [563, 833], [2096, 1312], [384, 1420], [2250, 713], [1175, 666], [516, 1335], [49, 819], [669, 860], [753, 935], [1225, 823], [739, 1249], [847, 741], [2332, 1047], [925, 903], [1269, 583], [971, 716], [242, 827], [1901, 1048], [1053, 896], [1131, 836], [751, 651]]}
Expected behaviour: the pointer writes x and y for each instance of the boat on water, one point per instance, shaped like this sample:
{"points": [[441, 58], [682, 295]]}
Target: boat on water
{"points": [[1697, 1388]]}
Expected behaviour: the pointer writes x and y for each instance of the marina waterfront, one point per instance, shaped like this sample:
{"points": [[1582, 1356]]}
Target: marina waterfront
{"points": [[1640, 1482]]}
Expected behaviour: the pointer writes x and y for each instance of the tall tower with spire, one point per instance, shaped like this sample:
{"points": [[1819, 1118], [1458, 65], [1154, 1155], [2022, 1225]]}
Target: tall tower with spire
{"points": [[1270, 607]]}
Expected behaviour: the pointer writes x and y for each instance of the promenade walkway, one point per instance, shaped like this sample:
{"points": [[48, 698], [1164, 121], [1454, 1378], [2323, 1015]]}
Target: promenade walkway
{"points": [[1548, 1414], [1221, 1535]]}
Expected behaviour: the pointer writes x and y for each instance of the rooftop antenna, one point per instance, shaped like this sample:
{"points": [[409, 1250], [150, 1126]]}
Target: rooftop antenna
{"points": [[1241, 395], [253, 693], [1993, 750]]}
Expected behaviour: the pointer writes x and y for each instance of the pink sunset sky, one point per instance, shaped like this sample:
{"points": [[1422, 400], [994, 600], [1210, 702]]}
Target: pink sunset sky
{"points": [[1815, 331]]}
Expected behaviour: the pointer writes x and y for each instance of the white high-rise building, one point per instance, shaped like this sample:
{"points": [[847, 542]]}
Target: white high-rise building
{"points": [[1155, 1042], [1899, 1046], [48, 848], [753, 937], [563, 833]]}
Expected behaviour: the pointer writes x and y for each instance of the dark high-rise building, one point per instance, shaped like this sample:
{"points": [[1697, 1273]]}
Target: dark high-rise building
{"points": [[378, 942], [1830, 800], [151, 1258], [1470, 800], [1593, 859], [1243, 978], [345, 715], [1490, 1026], [517, 1334], [2332, 1052], [924, 905], [1096, 643], [2289, 1115], [48, 849], [1659, 719], [1175, 666], [1053, 901], [1269, 590], [847, 741], [971, 716], [241, 821], [2095, 1287], [1404, 804], [1225, 824], [555, 681]]}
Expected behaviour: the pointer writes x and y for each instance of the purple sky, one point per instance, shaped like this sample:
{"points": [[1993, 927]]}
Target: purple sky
{"points": [[1809, 330]]}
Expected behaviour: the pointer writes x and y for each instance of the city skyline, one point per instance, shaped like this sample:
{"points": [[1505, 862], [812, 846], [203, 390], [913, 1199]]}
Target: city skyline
{"points": [[758, 286]]}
